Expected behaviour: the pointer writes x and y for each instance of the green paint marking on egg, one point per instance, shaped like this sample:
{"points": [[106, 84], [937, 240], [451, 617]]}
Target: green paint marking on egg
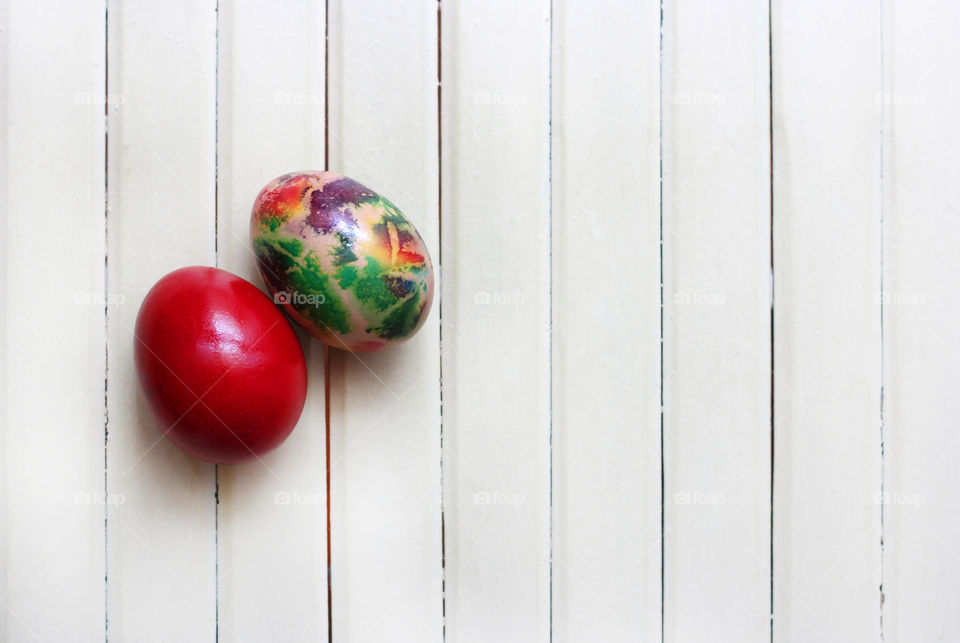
{"points": [[401, 321]]}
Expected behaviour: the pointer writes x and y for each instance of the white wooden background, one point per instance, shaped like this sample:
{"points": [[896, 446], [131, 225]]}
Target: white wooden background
{"points": [[690, 377]]}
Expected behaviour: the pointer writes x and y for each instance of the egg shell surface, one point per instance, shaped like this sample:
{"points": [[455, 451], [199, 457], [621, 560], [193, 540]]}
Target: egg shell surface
{"points": [[341, 260], [221, 369]]}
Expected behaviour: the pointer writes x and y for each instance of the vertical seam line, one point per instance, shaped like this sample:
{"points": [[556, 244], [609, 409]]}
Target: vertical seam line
{"points": [[216, 259], [550, 307], [772, 310], [661, 383], [326, 349], [883, 114], [443, 532], [106, 313]]}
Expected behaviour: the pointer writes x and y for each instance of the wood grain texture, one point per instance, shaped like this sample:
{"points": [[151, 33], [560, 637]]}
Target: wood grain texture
{"points": [[52, 330], [921, 213], [606, 321], [827, 322], [496, 320], [161, 549], [272, 529], [387, 565], [716, 272]]}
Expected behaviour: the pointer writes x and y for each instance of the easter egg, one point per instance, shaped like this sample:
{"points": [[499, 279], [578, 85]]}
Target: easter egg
{"points": [[220, 367], [341, 260]]}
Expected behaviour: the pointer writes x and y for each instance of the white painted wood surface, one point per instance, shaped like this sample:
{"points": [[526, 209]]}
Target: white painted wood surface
{"points": [[161, 178], [716, 305], [827, 322], [52, 403], [495, 249], [578, 445], [921, 206], [606, 410]]}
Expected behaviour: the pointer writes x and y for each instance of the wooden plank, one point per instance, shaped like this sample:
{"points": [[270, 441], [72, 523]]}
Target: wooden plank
{"points": [[161, 552], [52, 329], [716, 272], [272, 528], [921, 204], [826, 79], [387, 581], [496, 319], [606, 322]]}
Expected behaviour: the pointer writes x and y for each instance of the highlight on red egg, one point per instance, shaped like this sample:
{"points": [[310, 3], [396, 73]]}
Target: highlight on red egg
{"points": [[221, 369]]}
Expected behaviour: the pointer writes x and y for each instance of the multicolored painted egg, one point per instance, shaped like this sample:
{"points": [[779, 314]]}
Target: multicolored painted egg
{"points": [[342, 260]]}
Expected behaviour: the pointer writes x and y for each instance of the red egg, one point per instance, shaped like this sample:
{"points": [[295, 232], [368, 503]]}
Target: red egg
{"points": [[220, 366]]}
